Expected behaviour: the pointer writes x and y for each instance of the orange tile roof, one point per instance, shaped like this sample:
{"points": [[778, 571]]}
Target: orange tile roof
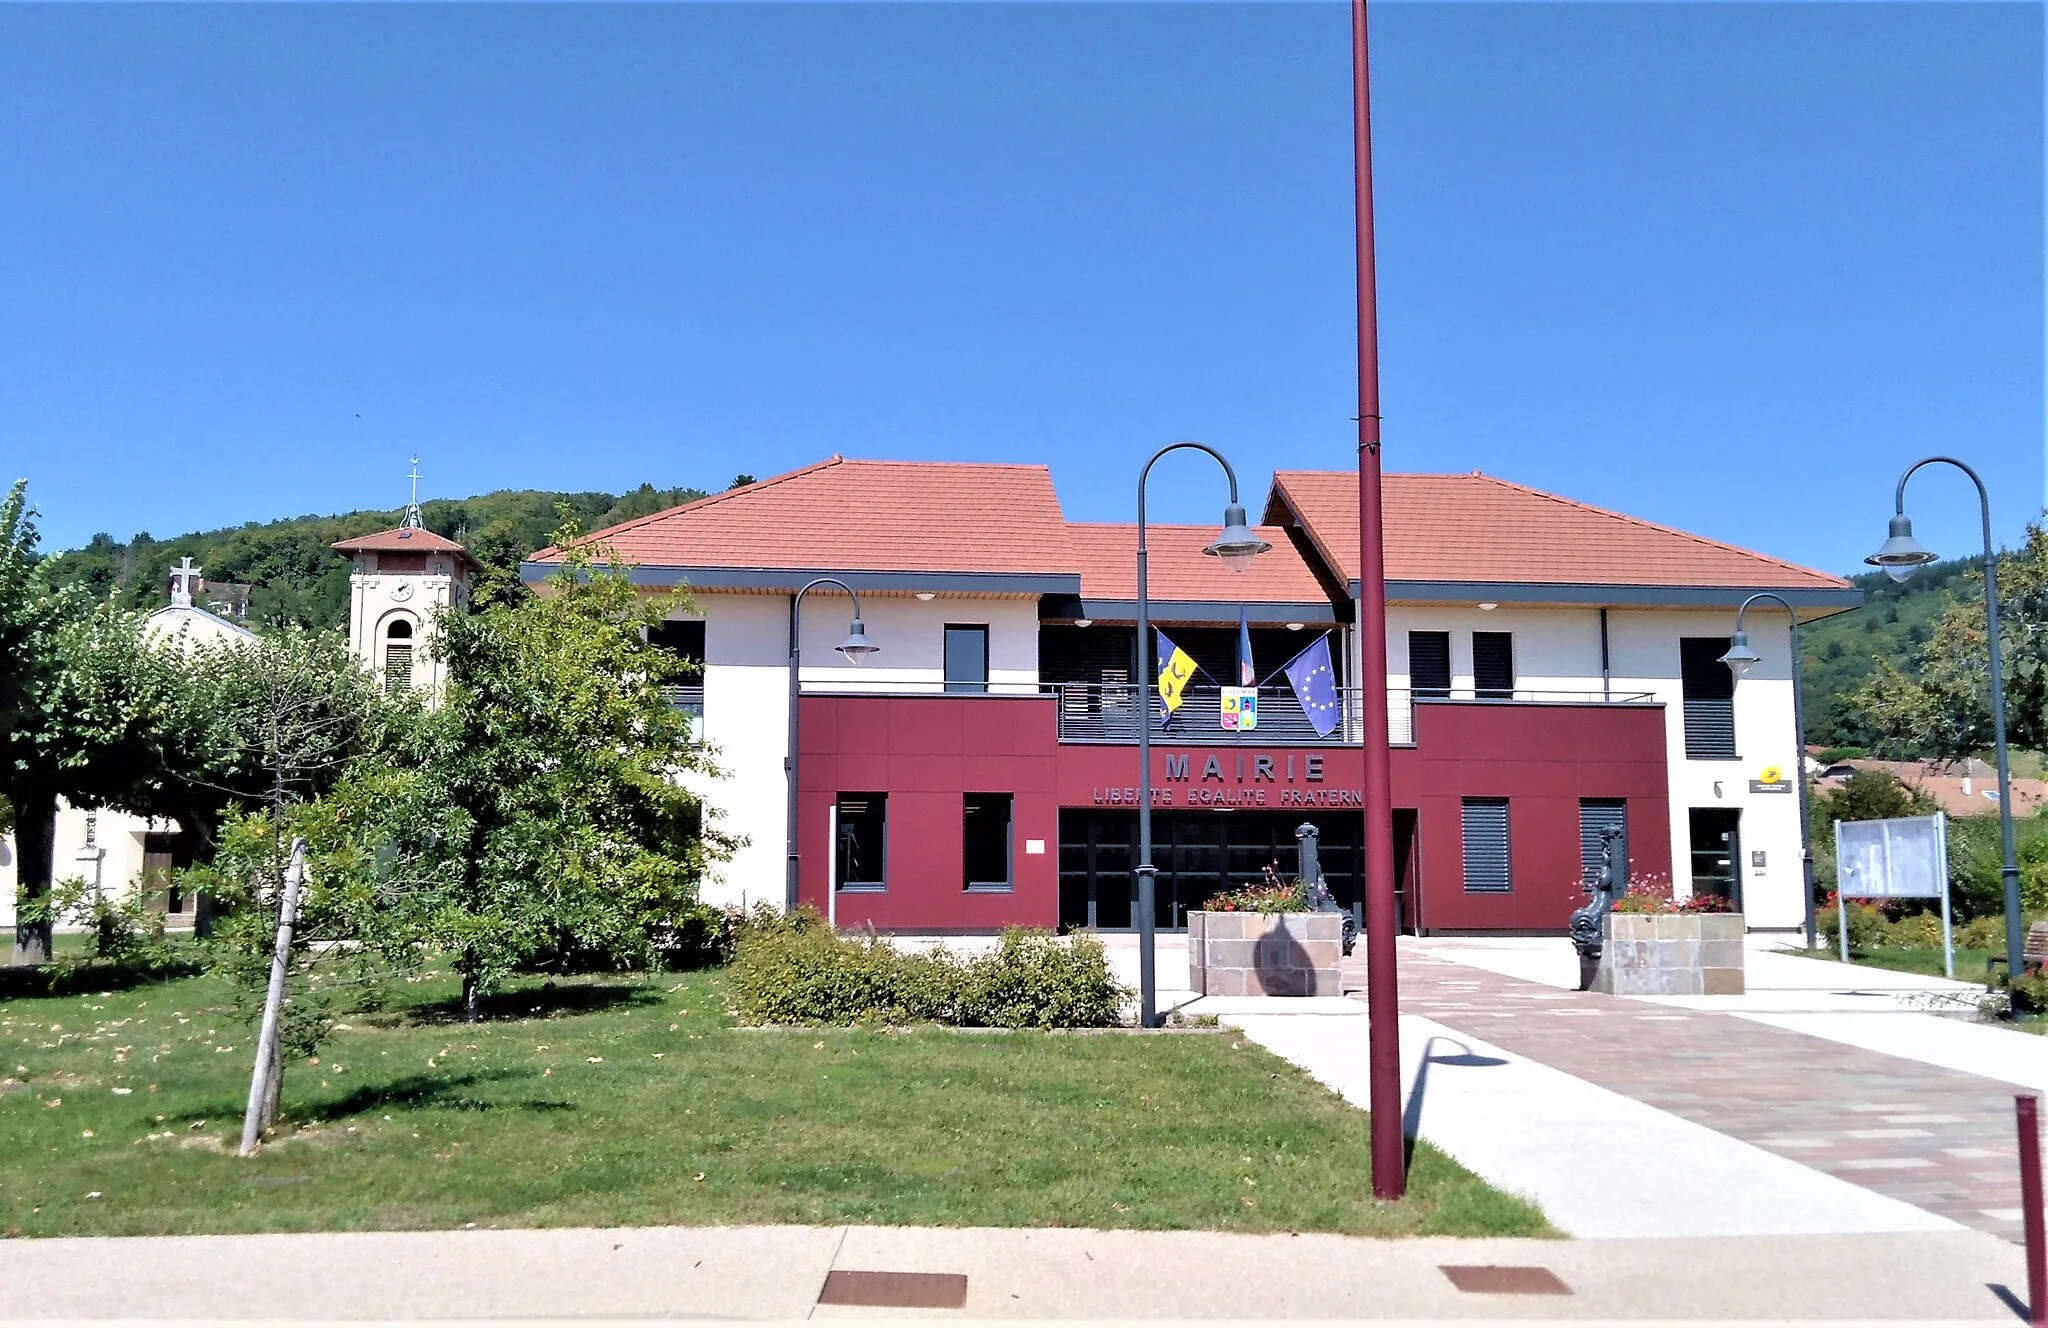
{"points": [[400, 539], [405, 539], [1475, 528], [870, 516], [1107, 556]]}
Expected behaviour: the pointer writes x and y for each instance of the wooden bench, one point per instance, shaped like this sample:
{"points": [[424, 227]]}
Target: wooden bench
{"points": [[2034, 954]]}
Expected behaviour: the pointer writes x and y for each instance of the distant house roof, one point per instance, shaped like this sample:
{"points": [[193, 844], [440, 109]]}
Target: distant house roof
{"points": [[897, 524], [1474, 531], [1968, 788], [1280, 585], [404, 539]]}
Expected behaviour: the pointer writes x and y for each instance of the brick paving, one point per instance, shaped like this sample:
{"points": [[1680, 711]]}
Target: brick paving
{"points": [[1939, 1139]]}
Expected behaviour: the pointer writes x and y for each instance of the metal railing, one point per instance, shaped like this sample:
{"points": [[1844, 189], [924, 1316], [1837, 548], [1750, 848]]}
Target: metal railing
{"points": [[1109, 712], [689, 700]]}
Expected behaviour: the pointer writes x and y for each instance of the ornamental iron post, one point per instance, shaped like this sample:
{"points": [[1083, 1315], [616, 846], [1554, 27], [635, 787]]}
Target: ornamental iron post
{"points": [[1739, 659], [855, 647], [1236, 546], [1900, 556]]}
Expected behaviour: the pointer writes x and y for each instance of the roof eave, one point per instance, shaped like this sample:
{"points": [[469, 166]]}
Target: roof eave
{"points": [[795, 578], [1831, 599]]}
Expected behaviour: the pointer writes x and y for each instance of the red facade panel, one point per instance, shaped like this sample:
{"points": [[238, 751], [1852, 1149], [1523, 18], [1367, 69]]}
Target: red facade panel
{"points": [[926, 752]]}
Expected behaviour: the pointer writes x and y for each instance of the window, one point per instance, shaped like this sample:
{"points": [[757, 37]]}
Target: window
{"points": [[398, 656], [1429, 663], [1708, 689], [685, 639], [985, 841], [966, 658], [1493, 665], [1486, 846], [862, 859], [1596, 817]]}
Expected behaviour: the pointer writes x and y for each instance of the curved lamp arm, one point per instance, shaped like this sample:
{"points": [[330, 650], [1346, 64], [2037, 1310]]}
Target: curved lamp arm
{"points": [[1983, 494]]}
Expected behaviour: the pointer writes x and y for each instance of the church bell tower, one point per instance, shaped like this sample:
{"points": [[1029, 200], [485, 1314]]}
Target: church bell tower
{"points": [[399, 580]]}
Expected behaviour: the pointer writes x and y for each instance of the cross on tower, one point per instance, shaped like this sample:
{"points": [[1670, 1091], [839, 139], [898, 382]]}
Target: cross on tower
{"points": [[184, 583], [413, 520]]}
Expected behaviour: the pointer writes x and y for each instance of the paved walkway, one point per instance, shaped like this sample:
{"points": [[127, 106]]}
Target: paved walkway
{"points": [[779, 1273]]}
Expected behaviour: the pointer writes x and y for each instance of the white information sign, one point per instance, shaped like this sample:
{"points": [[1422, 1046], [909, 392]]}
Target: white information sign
{"points": [[1905, 857]]}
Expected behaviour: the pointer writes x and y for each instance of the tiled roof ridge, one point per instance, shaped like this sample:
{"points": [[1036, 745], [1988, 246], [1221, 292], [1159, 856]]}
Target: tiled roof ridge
{"points": [[695, 505], [710, 500], [1587, 507]]}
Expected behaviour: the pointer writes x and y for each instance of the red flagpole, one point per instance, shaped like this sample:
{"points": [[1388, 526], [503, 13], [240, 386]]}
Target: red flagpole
{"points": [[1382, 1000]]}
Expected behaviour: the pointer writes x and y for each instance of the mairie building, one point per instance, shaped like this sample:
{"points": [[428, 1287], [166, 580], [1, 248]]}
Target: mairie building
{"points": [[1554, 670]]}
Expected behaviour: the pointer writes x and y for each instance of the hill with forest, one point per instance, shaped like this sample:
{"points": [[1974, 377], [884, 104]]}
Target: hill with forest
{"points": [[1841, 653], [281, 573]]}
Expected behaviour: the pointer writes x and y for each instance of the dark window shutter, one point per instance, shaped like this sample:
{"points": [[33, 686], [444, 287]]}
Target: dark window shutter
{"points": [[1595, 816], [1486, 846], [1708, 689], [1429, 663], [1493, 665]]}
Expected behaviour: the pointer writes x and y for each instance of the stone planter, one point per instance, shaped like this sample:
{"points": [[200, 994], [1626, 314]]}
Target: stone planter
{"points": [[1265, 954], [1671, 954]]}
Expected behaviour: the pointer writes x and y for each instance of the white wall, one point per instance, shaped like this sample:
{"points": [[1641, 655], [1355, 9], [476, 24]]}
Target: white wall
{"points": [[118, 836], [1644, 649], [1558, 649], [746, 697]]}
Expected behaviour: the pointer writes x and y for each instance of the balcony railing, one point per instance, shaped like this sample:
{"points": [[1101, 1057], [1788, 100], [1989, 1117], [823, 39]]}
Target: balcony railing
{"points": [[689, 700], [1109, 712]]}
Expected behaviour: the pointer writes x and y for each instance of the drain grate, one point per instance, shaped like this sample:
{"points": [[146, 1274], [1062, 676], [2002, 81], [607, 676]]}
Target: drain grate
{"points": [[1505, 1280], [899, 1291]]}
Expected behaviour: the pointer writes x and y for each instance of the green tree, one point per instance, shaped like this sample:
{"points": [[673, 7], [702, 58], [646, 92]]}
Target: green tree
{"points": [[541, 805], [88, 711], [1941, 706]]}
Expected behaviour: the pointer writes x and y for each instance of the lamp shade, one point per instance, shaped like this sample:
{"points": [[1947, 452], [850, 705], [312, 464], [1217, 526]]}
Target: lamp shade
{"points": [[1238, 543], [856, 646], [1740, 658], [1901, 554]]}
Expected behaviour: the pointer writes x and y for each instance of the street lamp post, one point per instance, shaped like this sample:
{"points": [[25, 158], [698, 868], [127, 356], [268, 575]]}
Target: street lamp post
{"points": [[1740, 658], [1382, 996], [1900, 555], [1236, 546], [855, 647]]}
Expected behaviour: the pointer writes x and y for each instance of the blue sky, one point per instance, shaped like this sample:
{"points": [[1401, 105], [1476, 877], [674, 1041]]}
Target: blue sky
{"points": [[1722, 266]]}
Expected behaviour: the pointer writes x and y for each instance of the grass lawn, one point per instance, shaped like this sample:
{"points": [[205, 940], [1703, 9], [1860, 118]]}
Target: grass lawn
{"points": [[632, 1100], [1925, 960]]}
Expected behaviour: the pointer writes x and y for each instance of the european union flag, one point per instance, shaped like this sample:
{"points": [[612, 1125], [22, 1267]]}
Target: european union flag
{"points": [[1315, 686]]}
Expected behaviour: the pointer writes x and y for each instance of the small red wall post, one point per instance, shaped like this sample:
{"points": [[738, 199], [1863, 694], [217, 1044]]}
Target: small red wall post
{"points": [[2027, 1108]]}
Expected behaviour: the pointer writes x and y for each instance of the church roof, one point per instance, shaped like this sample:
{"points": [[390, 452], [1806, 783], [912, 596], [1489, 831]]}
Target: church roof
{"points": [[196, 623], [404, 539]]}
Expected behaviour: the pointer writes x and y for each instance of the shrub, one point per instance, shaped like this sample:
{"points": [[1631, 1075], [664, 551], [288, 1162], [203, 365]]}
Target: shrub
{"points": [[1655, 896], [2029, 993], [1914, 931], [1868, 926], [795, 970], [1985, 933]]}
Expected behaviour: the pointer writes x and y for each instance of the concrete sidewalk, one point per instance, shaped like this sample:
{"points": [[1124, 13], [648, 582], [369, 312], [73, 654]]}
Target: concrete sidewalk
{"points": [[776, 1273]]}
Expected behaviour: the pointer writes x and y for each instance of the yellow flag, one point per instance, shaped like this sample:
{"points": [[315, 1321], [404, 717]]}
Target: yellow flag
{"points": [[1176, 667]]}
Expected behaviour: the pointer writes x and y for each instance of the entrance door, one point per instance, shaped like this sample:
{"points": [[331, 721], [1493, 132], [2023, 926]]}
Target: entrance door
{"points": [[1717, 853], [1197, 853]]}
